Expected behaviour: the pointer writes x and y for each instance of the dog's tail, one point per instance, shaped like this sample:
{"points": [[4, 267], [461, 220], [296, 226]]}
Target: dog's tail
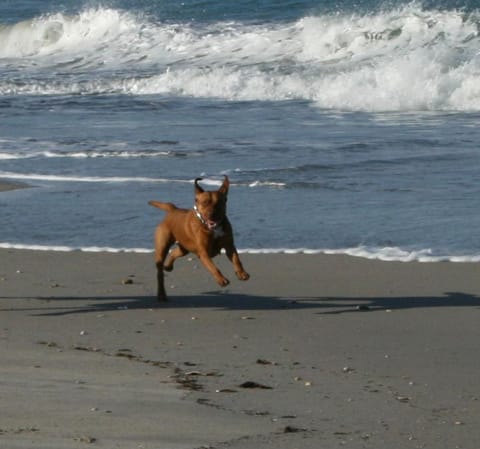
{"points": [[168, 207]]}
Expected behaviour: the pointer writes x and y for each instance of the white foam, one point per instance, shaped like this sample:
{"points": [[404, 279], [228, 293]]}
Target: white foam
{"points": [[259, 183], [85, 154], [10, 156], [56, 33], [390, 254], [61, 248], [208, 182], [401, 59], [103, 154], [89, 179], [387, 254]]}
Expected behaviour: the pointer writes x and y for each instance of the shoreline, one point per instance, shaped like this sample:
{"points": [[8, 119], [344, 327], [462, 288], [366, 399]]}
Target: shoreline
{"points": [[387, 254], [6, 186], [313, 350]]}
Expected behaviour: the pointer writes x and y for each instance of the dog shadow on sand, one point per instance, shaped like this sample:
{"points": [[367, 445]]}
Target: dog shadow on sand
{"points": [[225, 301]]}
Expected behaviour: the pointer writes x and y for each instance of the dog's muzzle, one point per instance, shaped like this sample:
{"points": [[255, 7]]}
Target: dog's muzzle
{"points": [[210, 224]]}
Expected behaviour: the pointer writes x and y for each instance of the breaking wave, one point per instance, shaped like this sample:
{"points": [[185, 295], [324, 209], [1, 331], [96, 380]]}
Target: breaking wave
{"points": [[403, 59]]}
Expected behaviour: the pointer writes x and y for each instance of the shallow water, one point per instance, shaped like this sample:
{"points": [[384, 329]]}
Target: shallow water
{"points": [[348, 130]]}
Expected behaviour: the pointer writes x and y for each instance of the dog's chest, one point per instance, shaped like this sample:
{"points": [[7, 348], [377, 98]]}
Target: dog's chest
{"points": [[218, 232]]}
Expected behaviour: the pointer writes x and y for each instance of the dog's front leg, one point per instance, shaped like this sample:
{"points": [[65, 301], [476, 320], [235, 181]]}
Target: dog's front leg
{"points": [[233, 256], [212, 268]]}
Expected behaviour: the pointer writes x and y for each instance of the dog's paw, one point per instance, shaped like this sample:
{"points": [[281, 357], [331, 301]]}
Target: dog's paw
{"points": [[223, 282], [243, 276]]}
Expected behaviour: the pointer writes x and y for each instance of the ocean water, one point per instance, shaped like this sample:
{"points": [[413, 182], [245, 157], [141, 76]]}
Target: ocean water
{"points": [[345, 127]]}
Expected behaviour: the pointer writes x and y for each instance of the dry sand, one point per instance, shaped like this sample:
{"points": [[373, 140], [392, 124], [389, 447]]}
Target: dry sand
{"points": [[349, 352]]}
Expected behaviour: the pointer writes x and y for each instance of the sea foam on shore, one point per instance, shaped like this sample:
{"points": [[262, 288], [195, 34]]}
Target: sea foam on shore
{"points": [[387, 254]]}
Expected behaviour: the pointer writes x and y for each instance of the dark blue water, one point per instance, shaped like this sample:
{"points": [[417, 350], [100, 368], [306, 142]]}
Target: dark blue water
{"points": [[348, 127]]}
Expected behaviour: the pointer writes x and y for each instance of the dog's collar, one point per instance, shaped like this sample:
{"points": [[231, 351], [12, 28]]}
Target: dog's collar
{"points": [[210, 227]]}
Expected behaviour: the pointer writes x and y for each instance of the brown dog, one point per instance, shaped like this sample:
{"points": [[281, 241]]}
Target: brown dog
{"points": [[203, 230]]}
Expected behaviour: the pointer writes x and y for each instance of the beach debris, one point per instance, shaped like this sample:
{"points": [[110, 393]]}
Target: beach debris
{"points": [[83, 333], [308, 383], [254, 385], [127, 281], [85, 439], [127, 353], [265, 362], [49, 344], [186, 381], [226, 390], [363, 308], [194, 373], [293, 429], [200, 373], [404, 399], [247, 317], [348, 369], [85, 348], [19, 430]]}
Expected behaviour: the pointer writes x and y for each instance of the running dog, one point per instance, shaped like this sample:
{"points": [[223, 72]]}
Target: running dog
{"points": [[203, 230]]}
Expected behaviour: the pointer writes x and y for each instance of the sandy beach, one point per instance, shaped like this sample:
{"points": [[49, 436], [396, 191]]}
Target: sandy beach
{"points": [[349, 135], [314, 351]]}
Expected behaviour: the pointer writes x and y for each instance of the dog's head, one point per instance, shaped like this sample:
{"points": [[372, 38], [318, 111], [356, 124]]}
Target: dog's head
{"points": [[211, 206]]}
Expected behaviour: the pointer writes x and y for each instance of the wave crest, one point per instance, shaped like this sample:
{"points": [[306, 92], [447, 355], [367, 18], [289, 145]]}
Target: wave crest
{"points": [[404, 59], [52, 33]]}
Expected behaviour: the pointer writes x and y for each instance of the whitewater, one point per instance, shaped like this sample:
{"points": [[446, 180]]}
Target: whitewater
{"points": [[349, 130], [404, 59]]}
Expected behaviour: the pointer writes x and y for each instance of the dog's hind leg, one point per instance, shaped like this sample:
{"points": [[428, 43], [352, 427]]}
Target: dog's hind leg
{"points": [[163, 242], [177, 252]]}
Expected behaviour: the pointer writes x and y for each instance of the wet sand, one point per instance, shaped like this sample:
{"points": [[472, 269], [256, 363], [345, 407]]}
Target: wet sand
{"points": [[6, 186], [313, 351]]}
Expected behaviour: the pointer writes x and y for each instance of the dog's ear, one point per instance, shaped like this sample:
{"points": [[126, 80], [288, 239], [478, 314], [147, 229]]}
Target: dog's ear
{"points": [[224, 188], [198, 189]]}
